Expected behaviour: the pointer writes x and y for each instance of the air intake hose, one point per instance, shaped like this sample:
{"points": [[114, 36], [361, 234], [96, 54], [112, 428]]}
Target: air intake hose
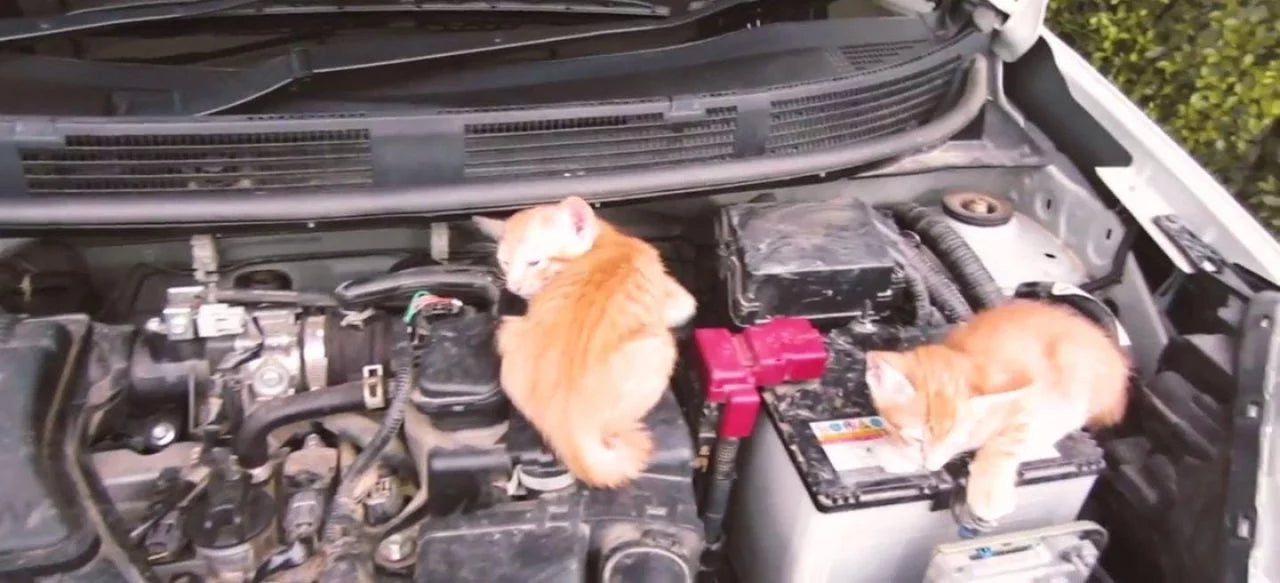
{"points": [[342, 517], [975, 281]]}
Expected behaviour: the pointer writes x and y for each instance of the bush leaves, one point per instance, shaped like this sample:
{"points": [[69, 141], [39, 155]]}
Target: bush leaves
{"points": [[1207, 70]]}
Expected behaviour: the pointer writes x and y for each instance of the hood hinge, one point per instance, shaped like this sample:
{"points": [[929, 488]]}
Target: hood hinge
{"points": [[1017, 23]]}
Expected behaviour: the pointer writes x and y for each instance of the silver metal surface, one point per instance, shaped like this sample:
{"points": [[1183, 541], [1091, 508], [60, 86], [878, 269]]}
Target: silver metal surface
{"points": [[1021, 251], [185, 316], [162, 434], [541, 484], [396, 548], [129, 477], [315, 360], [204, 258], [314, 458], [277, 371], [1020, 28], [236, 564], [213, 320], [375, 393], [303, 515], [1063, 553]]}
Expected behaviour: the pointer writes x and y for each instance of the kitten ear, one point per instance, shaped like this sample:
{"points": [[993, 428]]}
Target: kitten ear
{"points": [[494, 228], [581, 218], [886, 383]]}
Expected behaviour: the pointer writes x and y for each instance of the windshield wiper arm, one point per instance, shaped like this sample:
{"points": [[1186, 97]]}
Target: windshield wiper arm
{"points": [[13, 29]]}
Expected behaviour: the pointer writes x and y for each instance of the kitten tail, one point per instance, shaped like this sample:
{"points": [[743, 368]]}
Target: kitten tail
{"points": [[612, 458]]}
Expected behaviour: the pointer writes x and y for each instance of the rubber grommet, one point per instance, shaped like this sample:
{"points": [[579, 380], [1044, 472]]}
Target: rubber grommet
{"points": [[978, 209]]}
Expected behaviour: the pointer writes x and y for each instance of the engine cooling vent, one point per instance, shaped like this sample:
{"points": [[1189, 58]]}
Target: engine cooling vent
{"points": [[829, 120], [873, 55], [219, 162], [587, 145]]}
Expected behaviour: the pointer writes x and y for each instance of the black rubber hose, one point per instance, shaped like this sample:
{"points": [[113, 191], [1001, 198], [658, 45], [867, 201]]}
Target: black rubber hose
{"points": [[467, 282], [918, 291], [943, 293], [271, 296], [965, 267], [250, 442], [342, 511], [240, 208]]}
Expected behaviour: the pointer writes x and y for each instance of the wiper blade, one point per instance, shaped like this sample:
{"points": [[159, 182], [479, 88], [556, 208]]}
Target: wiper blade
{"points": [[193, 90], [13, 29]]}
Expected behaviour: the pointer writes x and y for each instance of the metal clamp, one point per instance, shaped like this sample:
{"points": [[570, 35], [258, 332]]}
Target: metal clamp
{"points": [[375, 392], [204, 258]]}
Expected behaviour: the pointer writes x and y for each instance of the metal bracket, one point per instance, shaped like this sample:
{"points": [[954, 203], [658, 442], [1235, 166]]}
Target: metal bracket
{"points": [[204, 258], [1019, 29], [375, 392]]}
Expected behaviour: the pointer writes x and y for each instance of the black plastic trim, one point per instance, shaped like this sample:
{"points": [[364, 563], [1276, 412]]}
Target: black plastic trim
{"points": [[240, 208], [1256, 358]]}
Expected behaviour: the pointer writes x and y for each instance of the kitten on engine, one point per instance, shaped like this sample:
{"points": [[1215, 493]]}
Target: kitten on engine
{"points": [[594, 351], [1011, 381]]}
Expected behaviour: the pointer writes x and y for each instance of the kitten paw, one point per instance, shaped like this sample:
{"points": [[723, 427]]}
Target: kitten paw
{"points": [[896, 459], [990, 504]]}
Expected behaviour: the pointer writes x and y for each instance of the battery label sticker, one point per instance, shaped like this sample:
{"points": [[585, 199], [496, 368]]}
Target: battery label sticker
{"points": [[851, 444]]}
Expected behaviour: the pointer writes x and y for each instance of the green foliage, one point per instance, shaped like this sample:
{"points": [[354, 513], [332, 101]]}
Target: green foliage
{"points": [[1207, 70]]}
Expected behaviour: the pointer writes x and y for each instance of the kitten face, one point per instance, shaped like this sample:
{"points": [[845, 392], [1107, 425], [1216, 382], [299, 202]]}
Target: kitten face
{"points": [[938, 428], [534, 244], [898, 403], [943, 420]]}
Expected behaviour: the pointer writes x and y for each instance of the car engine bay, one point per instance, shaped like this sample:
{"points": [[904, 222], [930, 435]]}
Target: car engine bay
{"points": [[321, 402], [235, 412]]}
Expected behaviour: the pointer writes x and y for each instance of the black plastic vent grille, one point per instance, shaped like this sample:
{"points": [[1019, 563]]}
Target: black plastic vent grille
{"points": [[219, 162], [833, 119], [587, 145], [872, 55]]}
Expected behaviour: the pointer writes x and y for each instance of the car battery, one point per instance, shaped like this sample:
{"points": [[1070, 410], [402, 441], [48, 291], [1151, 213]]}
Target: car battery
{"points": [[1066, 553], [815, 260], [1052, 483], [813, 501]]}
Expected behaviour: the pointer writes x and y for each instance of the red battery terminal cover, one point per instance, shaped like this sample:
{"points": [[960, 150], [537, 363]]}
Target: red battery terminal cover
{"points": [[735, 366]]}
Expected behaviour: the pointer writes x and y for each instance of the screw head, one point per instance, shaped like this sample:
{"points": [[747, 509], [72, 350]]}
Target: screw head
{"points": [[162, 433], [270, 381], [178, 324], [396, 548]]}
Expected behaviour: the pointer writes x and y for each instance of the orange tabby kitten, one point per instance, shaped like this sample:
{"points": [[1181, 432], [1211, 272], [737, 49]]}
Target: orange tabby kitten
{"points": [[593, 352], [1011, 381]]}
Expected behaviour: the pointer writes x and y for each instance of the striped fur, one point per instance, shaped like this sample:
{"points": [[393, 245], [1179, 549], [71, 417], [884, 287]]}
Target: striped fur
{"points": [[593, 353]]}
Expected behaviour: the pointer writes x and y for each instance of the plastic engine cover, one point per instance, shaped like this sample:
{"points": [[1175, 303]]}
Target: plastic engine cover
{"points": [[809, 259], [41, 523], [458, 377], [646, 531]]}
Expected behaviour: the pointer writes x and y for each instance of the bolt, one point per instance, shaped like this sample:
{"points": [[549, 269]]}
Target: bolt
{"points": [[269, 381], [312, 441], [155, 325], [396, 548], [163, 433], [177, 324]]}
